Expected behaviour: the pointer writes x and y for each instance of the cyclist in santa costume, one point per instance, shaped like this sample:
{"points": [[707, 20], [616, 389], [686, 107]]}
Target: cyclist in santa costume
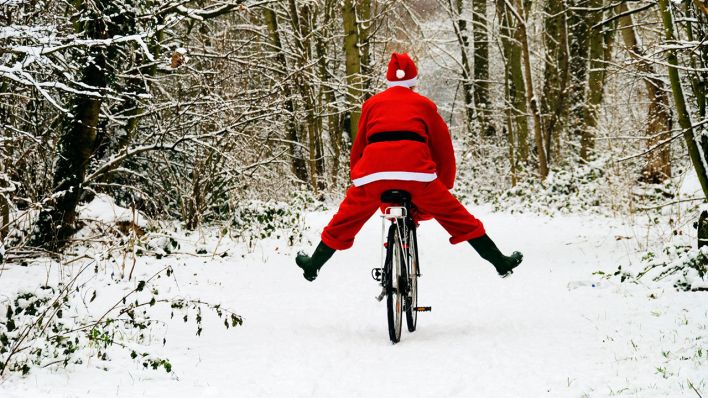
{"points": [[402, 143]]}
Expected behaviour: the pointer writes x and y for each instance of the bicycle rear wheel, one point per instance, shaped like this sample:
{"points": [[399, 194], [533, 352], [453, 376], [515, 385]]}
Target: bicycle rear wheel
{"points": [[395, 272], [412, 294]]}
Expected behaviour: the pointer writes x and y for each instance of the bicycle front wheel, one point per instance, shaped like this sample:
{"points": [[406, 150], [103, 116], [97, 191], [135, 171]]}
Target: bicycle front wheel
{"points": [[395, 271]]}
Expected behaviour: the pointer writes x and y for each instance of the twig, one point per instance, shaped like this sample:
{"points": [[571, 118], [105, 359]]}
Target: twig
{"points": [[670, 203], [623, 14], [16, 348], [663, 142], [694, 388]]}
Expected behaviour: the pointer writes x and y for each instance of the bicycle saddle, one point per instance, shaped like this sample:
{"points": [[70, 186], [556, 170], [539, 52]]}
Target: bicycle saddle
{"points": [[395, 196]]}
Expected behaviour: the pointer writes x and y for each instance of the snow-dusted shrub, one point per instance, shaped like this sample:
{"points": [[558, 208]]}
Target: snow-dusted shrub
{"points": [[683, 267], [563, 191], [54, 325], [256, 220]]}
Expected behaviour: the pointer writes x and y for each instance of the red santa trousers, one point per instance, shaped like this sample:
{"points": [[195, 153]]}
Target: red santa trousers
{"points": [[430, 198]]}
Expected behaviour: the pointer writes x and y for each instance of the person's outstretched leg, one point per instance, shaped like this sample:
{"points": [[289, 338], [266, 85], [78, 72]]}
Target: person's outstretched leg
{"points": [[358, 206], [489, 251], [462, 226]]}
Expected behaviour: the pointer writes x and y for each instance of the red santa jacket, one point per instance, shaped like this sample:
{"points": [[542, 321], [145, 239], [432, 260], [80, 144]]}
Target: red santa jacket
{"points": [[401, 109]]}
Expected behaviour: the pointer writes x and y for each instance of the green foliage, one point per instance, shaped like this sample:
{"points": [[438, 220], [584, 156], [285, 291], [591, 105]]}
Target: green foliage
{"points": [[152, 362], [35, 333], [258, 220], [684, 267]]}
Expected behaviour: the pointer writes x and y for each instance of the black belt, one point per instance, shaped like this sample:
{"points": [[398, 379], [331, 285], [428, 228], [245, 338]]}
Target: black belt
{"points": [[395, 136]]}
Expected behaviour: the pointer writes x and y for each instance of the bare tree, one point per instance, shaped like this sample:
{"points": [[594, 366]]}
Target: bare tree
{"points": [[515, 91], [696, 152], [555, 74], [658, 131], [519, 13], [482, 101], [600, 50]]}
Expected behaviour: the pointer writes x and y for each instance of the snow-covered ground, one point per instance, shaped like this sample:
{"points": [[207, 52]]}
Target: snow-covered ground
{"points": [[551, 330]]}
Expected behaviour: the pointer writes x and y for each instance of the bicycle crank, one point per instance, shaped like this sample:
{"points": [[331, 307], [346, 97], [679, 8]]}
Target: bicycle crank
{"points": [[381, 296]]}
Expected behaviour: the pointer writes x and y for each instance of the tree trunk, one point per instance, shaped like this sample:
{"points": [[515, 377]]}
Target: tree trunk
{"points": [[510, 134], [299, 166], [4, 210], [697, 26], [363, 10], [578, 29], [327, 92], [530, 95], [4, 217], [658, 166], [513, 77], [300, 20], [57, 220], [696, 152], [481, 66], [555, 72], [352, 66], [600, 46], [460, 26], [7, 152]]}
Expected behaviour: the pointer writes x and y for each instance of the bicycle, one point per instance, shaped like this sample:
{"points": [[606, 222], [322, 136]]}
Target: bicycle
{"points": [[401, 269]]}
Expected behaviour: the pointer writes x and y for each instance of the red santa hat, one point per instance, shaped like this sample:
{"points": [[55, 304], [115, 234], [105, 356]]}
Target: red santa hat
{"points": [[401, 71]]}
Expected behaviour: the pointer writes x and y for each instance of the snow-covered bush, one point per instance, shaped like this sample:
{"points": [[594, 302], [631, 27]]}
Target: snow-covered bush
{"points": [[256, 220], [564, 191], [682, 267], [60, 325]]}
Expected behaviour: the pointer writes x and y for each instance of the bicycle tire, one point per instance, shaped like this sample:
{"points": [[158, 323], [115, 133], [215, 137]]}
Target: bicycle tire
{"points": [[394, 297], [412, 274]]}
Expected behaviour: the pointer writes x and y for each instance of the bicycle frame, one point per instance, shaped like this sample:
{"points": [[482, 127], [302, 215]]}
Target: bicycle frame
{"points": [[398, 215]]}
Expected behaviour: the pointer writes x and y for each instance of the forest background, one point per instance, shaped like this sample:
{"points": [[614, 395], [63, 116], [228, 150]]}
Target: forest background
{"points": [[189, 110]]}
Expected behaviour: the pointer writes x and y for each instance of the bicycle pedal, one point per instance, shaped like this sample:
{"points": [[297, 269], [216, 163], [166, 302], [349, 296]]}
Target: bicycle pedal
{"points": [[377, 273], [422, 309]]}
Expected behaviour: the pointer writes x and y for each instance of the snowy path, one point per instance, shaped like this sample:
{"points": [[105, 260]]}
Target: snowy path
{"points": [[545, 332]]}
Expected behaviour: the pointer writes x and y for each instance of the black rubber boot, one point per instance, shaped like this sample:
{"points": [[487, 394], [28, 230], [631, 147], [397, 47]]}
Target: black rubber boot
{"points": [[311, 265], [489, 251]]}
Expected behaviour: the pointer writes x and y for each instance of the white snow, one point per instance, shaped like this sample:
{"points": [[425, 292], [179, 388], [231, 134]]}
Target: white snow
{"points": [[104, 209], [551, 330], [690, 186]]}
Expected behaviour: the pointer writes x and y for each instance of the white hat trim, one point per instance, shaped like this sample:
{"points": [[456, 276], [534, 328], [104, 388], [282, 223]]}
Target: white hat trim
{"points": [[403, 83]]}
